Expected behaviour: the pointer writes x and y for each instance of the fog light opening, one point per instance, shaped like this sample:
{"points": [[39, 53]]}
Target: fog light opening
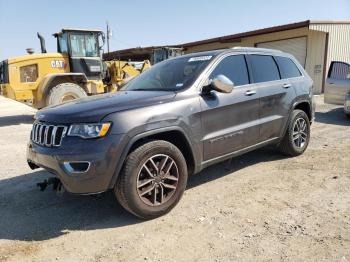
{"points": [[77, 167]]}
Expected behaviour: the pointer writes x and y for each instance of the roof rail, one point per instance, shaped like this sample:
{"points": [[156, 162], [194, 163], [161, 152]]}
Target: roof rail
{"points": [[256, 49]]}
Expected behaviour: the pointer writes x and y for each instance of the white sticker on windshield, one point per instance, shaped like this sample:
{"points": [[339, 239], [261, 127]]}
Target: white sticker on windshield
{"points": [[179, 85], [200, 58]]}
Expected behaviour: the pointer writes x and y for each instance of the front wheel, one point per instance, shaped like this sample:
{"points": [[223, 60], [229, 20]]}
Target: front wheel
{"points": [[153, 179], [64, 92], [297, 136]]}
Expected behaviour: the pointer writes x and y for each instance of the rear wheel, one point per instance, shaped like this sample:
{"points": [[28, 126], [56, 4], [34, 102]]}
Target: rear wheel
{"points": [[153, 179], [297, 136], [64, 92]]}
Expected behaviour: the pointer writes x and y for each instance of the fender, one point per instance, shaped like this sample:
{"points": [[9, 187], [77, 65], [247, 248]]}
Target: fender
{"points": [[292, 109], [137, 137], [43, 88]]}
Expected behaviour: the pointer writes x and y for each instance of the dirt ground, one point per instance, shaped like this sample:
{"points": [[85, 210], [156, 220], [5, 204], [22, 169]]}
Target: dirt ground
{"points": [[260, 206]]}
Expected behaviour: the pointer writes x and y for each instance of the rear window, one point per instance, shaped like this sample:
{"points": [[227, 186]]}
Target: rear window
{"points": [[339, 70], [264, 68], [287, 67]]}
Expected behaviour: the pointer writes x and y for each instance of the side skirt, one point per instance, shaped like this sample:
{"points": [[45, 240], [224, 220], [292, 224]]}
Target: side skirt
{"points": [[238, 152]]}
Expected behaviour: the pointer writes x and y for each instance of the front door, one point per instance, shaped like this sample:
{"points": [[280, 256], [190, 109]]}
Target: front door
{"points": [[84, 55], [230, 122]]}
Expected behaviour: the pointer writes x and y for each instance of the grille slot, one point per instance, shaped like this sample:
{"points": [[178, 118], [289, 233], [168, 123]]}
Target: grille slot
{"points": [[47, 135]]}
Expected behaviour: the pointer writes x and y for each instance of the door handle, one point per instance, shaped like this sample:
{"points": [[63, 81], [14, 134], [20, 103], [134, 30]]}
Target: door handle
{"points": [[286, 85], [250, 93]]}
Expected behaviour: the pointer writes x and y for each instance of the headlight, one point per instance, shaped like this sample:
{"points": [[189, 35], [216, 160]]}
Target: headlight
{"points": [[89, 130]]}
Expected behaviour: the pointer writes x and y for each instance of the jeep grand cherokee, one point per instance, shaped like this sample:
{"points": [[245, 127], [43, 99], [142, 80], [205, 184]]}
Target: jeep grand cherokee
{"points": [[173, 120]]}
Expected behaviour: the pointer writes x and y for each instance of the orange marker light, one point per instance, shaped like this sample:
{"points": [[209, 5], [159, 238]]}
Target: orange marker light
{"points": [[104, 129]]}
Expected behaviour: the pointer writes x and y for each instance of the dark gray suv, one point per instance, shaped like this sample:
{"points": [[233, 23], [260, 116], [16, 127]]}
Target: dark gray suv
{"points": [[173, 120]]}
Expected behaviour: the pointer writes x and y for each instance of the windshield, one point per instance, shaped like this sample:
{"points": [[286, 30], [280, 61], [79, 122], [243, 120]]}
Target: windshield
{"points": [[170, 75], [84, 45]]}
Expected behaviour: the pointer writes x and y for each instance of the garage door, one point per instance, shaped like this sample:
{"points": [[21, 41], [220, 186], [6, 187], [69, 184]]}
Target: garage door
{"points": [[294, 46]]}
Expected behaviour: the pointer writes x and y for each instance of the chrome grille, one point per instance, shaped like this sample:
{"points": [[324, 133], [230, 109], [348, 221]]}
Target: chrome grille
{"points": [[47, 135]]}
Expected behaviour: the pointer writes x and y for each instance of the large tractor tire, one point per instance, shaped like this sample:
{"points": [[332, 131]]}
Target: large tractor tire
{"points": [[64, 92]]}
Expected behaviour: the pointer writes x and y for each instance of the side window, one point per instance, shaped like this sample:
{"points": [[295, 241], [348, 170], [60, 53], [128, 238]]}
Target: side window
{"points": [[62, 40], [287, 67], [91, 46], [233, 67], [339, 70], [264, 68]]}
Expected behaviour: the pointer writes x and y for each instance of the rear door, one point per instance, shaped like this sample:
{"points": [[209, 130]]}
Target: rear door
{"points": [[230, 121], [276, 96], [337, 83]]}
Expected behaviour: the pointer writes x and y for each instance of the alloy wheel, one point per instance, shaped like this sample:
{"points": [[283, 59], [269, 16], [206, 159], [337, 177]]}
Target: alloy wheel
{"points": [[300, 134], [157, 180]]}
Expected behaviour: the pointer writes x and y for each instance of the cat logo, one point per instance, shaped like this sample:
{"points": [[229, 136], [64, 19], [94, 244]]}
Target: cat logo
{"points": [[57, 64]]}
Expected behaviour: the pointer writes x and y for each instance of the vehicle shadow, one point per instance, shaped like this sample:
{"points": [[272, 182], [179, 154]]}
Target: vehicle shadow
{"points": [[229, 167], [30, 215], [335, 116], [16, 120]]}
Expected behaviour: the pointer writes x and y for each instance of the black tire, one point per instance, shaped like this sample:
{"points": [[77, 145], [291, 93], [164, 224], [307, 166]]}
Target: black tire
{"points": [[347, 115], [127, 187], [293, 146], [64, 92]]}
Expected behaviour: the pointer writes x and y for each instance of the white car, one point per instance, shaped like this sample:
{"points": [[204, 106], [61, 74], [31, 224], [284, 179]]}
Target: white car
{"points": [[337, 89]]}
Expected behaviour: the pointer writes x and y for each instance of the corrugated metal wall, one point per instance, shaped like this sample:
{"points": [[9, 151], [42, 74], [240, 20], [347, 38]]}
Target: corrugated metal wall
{"points": [[338, 40]]}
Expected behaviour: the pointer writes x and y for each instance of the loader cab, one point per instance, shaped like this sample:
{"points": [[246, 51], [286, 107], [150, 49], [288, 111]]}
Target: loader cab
{"points": [[83, 49], [163, 53]]}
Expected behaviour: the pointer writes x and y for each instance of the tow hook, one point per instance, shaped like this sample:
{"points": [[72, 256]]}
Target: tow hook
{"points": [[55, 182]]}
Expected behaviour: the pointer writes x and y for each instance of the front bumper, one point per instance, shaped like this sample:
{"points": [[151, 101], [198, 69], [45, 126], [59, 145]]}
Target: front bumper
{"points": [[102, 154]]}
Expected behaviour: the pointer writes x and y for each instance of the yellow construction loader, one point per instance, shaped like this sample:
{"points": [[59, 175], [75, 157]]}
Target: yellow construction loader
{"points": [[76, 70]]}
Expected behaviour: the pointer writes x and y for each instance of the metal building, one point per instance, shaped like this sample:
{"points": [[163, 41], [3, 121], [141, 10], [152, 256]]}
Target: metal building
{"points": [[314, 43]]}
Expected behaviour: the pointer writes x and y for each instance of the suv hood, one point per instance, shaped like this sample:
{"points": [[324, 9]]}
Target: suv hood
{"points": [[94, 108]]}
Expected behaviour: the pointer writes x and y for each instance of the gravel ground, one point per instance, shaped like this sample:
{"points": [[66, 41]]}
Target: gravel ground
{"points": [[260, 206]]}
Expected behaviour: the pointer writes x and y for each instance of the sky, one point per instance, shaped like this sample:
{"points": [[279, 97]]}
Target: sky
{"points": [[152, 22]]}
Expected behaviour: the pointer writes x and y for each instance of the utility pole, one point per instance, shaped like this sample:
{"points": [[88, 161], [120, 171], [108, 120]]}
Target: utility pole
{"points": [[108, 35]]}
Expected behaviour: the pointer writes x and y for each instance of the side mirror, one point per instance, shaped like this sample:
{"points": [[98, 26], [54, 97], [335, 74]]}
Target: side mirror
{"points": [[220, 83]]}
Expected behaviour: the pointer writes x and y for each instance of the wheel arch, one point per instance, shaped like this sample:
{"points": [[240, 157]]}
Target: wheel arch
{"points": [[304, 106], [52, 80], [174, 135]]}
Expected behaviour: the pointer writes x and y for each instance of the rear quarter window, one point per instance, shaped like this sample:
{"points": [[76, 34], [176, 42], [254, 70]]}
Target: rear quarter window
{"points": [[287, 67], [264, 68]]}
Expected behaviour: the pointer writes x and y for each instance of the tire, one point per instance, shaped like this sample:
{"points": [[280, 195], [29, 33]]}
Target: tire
{"points": [[294, 146], [129, 189], [64, 92], [347, 115]]}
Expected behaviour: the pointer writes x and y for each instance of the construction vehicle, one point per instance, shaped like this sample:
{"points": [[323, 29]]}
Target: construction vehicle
{"points": [[76, 70], [162, 53]]}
